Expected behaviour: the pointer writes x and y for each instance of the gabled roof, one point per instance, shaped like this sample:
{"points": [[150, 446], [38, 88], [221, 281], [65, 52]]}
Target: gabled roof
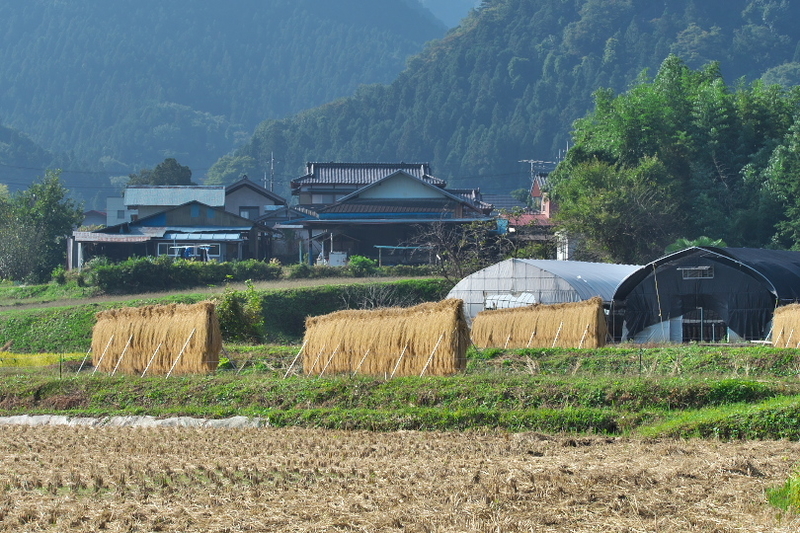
{"points": [[229, 222], [246, 182], [361, 173], [436, 191], [173, 195]]}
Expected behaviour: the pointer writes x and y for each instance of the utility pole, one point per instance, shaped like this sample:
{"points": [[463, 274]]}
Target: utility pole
{"points": [[533, 163], [272, 171], [271, 180]]}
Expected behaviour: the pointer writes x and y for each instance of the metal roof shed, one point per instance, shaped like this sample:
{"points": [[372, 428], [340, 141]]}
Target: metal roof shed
{"points": [[521, 282]]}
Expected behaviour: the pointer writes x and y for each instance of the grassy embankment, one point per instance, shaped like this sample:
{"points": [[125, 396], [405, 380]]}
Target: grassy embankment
{"points": [[708, 391]]}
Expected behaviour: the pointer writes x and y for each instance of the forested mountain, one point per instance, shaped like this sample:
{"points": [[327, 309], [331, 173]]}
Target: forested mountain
{"points": [[450, 11], [126, 83], [507, 84]]}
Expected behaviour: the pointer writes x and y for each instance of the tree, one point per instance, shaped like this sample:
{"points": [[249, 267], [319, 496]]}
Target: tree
{"points": [[168, 172], [684, 243], [34, 225], [622, 215], [462, 249]]}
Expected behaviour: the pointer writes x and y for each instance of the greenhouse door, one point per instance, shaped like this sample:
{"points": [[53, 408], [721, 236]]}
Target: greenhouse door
{"points": [[703, 325]]}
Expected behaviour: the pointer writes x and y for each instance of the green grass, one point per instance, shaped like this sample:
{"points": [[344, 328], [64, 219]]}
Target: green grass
{"points": [[786, 497], [707, 391], [18, 294]]}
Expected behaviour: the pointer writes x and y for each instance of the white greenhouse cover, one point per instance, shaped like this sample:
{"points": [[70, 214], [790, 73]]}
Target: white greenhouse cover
{"points": [[527, 281]]}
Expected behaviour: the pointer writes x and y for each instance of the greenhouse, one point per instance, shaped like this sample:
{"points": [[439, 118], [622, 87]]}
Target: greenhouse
{"points": [[707, 294], [521, 282]]}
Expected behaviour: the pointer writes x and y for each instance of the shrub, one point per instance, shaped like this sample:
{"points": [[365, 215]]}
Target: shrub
{"points": [[241, 316], [361, 266], [299, 270], [59, 275], [255, 270]]}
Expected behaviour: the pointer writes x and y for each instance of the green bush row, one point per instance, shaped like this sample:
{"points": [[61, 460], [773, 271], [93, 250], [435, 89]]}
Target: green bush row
{"points": [[143, 274]]}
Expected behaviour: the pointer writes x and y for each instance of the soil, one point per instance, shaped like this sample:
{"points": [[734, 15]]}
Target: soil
{"points": [[268, 479]]}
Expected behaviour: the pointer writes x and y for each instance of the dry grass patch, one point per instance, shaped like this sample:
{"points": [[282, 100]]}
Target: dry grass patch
{"points": [[200, 480]]}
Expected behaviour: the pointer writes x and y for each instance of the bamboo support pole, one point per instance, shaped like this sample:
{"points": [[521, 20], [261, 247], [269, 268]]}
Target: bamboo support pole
{"points": [[530, 340], [430, 358], [789, 338], [580, 345], [317, 359], [362, 361], [85, 358], [329, 361]]}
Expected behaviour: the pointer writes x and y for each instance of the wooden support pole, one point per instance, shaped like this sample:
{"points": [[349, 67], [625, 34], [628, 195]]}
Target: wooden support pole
{"points": [[789, 338], [296, 357], [185, 344], [398, 360], [557, 334], [152, 357], [103, 355], [122, 354], [430, 358]]}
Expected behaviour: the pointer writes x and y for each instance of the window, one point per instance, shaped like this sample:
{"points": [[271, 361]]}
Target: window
{"points": [[121, 214], [249, 212], [195, 211], [322, 198], [698, 272]]}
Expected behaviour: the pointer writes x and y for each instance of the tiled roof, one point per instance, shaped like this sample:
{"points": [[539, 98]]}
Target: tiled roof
{"points": [[503, 201], [362, 173], [172, 195], [419, 206]]}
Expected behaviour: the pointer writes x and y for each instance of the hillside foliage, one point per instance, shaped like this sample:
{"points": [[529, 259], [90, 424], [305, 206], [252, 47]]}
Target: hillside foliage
{"points": [[124, 84], [683, 154], [506, 85]]}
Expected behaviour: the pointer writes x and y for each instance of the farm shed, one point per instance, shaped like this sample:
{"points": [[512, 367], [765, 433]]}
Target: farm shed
{"points": [[521, 282], [707, 294]]}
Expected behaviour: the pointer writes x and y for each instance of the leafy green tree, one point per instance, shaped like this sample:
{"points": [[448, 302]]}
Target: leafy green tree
{"points": [[168, 172], [726, 166], [34, 226], [622, 214], [684, 243]]}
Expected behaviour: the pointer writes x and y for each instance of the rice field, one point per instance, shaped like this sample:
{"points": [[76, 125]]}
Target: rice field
{"points": [[226, 480]]}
